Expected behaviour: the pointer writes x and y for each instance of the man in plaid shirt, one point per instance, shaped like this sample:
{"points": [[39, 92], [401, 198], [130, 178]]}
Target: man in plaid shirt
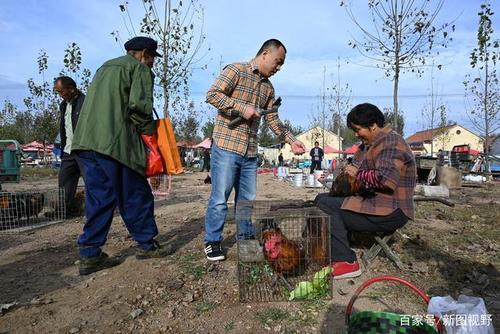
{"points": [[241, 90], [384, 164]]}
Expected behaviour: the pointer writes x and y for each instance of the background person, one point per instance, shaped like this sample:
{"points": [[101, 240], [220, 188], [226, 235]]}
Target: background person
{"points": [[316, 157], [71, 169]]}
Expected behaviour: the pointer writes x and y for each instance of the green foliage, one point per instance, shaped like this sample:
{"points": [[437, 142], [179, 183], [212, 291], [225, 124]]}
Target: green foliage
{"points": [[40, 118], [270, 315], [37, 172], [187, 125], [348, 136], [72, 61], [257, 272], [203, 307], [208, 129], [229, 326], [15, 124], [391, 119], [192, 267]]}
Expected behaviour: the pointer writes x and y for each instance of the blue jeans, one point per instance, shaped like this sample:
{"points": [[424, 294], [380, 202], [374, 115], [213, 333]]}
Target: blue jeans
{"points": [[229, 170], [109, 184]]}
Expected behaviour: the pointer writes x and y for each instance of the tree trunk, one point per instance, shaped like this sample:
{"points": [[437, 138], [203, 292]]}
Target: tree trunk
{"points": [[486, 118], [395, 97]]}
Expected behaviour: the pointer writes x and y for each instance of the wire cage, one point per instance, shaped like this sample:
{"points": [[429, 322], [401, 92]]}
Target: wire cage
{"points": [[161, 186], [20, 211], [283, 251]]}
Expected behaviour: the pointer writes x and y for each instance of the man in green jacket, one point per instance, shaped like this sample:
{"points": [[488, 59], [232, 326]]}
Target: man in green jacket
{"points": [[116, 111]]}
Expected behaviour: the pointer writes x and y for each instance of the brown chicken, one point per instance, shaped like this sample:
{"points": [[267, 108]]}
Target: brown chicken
{"points": [[346, 185], [285, 256], [316, 234], [17, 206]]}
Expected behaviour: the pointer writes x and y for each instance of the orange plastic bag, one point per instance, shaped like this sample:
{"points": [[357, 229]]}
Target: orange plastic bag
{"points": [[154, 161], [168, 146]]}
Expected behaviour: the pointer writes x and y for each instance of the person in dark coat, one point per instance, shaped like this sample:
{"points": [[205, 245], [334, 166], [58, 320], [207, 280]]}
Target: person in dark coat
{"points": [[71, 168], [280, 160], [316, 157], [206, 160]]}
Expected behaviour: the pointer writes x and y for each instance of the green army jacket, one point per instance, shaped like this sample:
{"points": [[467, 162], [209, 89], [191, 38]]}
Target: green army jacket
{"points": [[117, 109]]}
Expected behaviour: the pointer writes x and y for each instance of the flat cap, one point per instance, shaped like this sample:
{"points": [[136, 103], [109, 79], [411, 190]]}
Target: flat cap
{"points": [[140, 43]]}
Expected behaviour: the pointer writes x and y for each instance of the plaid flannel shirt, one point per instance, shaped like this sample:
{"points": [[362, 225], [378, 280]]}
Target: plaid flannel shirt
{"points": [[237, 86], [394, 166]]}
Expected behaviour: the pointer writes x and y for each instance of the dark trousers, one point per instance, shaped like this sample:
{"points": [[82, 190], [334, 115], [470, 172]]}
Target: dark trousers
{"points": [[109, 184], [344, 221], [206, 165], [69, 173], [316, 165]]}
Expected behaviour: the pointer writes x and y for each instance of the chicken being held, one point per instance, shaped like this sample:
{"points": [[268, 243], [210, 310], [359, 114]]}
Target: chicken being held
{"points": [[346, 185], [285, 256]]}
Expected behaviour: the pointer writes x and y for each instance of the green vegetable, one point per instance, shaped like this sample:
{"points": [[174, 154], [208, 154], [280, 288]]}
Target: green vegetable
{"points": [[317, 287]]}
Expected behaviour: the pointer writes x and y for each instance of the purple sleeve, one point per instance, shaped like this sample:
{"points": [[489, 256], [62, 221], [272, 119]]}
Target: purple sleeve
{"points": [[370, 179]]}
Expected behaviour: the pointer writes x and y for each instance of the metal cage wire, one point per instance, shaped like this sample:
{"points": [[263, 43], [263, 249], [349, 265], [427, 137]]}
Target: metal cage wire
{"points": [[290, 244], [25, 210]]}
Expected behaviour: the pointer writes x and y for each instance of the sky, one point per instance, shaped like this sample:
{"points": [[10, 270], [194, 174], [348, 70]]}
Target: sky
{"points": [[316, 34]]}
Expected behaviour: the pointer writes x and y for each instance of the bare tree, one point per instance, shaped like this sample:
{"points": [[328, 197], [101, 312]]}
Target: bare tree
{"points": [[433, 108], [395, 121], [403, 35], [320, 117], [483, 91], [179, 42], [339, 104]]}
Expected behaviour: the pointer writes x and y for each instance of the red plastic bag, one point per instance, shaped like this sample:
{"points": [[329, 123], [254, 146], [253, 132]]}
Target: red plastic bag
{"points": [[154, 164]]}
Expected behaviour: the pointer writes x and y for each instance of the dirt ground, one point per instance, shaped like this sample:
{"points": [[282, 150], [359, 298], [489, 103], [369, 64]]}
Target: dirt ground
{"points": [[446, 251]]}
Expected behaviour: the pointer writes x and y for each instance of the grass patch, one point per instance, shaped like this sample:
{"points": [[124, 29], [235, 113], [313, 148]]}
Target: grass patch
{"points": [[256, 272], [38, 172], [314, 305], [203, 307], [272, 314], [192, 267], [229, 326]]}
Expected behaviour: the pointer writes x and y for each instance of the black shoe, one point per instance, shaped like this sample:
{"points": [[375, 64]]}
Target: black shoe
{"points": [[213, 251], [89, 265], [156, 252]]}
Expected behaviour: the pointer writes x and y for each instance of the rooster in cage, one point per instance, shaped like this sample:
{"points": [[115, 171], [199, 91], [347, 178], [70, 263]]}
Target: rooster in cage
{"points": [[285, 256], [21, 205]]}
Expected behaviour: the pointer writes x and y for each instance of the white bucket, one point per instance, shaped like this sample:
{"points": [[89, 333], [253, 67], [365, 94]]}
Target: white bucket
{"points": [[310, 180], [297, 180]]}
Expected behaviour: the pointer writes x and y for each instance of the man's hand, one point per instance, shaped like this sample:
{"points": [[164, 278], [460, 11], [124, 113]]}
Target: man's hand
{"points": [[351, 170], [298, 147], [250, 112]]}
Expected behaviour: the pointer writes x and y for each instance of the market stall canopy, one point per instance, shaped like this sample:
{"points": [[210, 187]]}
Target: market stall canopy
{"points": [[351, 150], [36, 146], [185, 144], [328, 149]]}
